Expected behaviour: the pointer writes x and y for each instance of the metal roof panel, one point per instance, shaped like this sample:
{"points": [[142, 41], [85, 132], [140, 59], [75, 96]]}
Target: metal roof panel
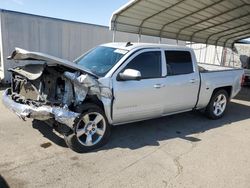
{"points": [[190, 20]]}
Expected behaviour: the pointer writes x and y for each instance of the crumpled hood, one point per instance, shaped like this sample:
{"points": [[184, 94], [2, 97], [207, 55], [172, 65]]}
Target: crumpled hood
{"points": [[29, 71], [21, 54]]}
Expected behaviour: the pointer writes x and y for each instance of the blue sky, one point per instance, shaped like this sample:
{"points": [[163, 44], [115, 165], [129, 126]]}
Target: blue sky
{"points": [[89, 11]]}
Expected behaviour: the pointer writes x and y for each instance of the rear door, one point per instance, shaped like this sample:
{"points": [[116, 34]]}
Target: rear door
{"points": [[182, 81], [138, 100]]}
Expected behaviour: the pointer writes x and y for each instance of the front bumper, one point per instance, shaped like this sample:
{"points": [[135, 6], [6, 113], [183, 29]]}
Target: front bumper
{"points": [[61, 115]]}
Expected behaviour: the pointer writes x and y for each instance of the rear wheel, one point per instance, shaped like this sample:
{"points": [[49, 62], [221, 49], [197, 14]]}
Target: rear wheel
{"points": [[217, 105], [91, 130]]}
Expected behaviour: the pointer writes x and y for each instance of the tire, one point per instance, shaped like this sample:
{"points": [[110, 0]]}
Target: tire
{"points": [[91, 130], [217, 105]]}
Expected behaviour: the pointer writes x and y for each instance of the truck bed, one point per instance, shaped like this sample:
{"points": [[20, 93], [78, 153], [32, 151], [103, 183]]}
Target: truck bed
{"points": [[203, 67], [214, 76]]}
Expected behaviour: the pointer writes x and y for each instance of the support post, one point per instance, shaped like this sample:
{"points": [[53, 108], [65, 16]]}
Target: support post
{"points": [[215, 54], [205, 58], [233, 60], [230, 57], [139, 38], [222, 56], [200, 53], [114, 35], [159, 40]]}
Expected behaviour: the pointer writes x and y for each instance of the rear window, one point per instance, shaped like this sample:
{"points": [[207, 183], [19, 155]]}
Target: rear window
{"points": [[179, 62]]}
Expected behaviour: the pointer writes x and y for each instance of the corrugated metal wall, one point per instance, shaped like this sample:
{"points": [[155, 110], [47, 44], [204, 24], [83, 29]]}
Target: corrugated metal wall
{"points": [[61, 38], [216, 55], [207, 54]]}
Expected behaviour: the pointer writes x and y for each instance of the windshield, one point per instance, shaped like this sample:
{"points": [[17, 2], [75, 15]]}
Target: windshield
{"points": [[101, 59]]}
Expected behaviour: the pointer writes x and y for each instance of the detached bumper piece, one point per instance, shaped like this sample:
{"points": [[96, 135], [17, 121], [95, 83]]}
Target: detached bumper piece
{"points": [[60, 114]]}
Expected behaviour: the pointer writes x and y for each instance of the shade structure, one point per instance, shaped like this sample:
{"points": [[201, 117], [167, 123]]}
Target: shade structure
{"points": [[214, 22]]}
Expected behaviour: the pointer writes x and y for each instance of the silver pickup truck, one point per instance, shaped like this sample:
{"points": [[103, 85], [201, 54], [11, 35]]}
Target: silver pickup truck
{"points": [[113, 84]]}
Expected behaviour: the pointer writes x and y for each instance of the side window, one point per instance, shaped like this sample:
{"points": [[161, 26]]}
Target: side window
{"points": [[178, 62], [148, 63]]}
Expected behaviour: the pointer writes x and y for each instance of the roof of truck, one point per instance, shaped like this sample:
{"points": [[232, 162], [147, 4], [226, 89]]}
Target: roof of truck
{"points": [[131, 46]]}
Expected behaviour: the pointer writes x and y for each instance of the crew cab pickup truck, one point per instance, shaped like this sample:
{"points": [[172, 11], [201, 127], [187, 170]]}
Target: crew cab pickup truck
{"points": [[114, 84]]}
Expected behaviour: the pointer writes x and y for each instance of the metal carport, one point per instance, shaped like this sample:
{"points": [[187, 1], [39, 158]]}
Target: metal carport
{"points": [[214, 22]]}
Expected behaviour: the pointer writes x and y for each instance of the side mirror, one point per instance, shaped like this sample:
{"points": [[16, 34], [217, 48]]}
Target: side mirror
{"points": [[129, 74]]}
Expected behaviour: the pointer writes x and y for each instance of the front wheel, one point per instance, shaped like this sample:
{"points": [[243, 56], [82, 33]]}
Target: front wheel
{"points": [[91, 131], [217, 105]]}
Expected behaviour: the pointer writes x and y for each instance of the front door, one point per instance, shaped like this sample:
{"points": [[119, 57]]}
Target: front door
{"points": [[138, 100]]}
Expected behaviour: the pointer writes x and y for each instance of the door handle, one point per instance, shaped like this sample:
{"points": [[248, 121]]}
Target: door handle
{"points": [[192, 81], [158, 86]]}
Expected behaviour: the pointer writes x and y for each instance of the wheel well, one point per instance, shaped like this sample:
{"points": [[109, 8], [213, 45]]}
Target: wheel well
{"points": [[228, 89], [94, 100]]}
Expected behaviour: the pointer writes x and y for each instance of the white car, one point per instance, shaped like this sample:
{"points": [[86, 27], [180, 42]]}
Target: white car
{"points": [[113, 84]]}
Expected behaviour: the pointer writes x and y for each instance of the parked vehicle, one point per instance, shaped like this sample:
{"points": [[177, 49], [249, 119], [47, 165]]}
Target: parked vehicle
{"points": [[247, 73], [113, 84]]}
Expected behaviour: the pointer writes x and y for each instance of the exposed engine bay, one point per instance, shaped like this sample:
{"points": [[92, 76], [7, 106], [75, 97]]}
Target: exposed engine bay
{"points": [[48, 86], [52, 87]]}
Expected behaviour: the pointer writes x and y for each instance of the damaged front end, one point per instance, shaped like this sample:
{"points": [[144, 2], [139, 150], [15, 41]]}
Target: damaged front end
{"points": [[51, 91]]}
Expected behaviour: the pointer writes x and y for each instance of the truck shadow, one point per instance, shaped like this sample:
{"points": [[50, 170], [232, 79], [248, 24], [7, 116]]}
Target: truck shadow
{"points": [[48, 132], [185, 126], [149, 133]]}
